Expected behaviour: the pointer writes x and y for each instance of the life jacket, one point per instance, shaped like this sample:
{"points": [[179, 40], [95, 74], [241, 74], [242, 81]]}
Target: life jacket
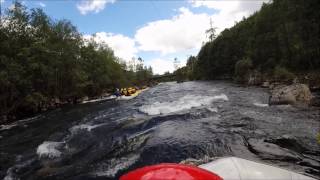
{"points": [[131, 90], [124, 92]]}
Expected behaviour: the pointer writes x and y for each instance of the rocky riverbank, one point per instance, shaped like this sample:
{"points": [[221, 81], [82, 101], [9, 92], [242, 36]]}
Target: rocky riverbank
{"points": [[294, 94], [297, 90], [32, 109]]}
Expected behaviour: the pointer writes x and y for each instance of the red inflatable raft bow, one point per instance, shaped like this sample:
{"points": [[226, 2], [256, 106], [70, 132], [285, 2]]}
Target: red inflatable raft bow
{"points": [[170, 171]]}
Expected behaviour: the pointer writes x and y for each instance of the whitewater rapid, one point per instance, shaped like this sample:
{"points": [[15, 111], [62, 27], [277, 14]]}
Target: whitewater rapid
{"points": [[167, 123], [184, 103]]}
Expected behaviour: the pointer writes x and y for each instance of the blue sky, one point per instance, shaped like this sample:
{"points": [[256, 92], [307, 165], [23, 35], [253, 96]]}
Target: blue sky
{"points": [[157, 31]]}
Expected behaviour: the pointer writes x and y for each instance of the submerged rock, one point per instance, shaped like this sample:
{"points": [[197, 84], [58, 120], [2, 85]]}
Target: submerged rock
{"points": [[292, 94], [265, 84], [197, 162], [315, 102]]}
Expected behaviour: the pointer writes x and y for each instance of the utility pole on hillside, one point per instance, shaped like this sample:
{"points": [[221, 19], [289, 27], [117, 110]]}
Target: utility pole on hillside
{"points": [[176, 64], [1, 12], [211, 31]]}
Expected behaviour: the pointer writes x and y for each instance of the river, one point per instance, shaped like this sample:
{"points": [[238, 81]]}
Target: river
{"points": [[167, 123]]}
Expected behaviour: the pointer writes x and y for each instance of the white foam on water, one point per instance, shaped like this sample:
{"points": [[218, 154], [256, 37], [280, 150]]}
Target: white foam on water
{"points": [[221, 97], [9, 177], [184, 103], [212, 109], [261, 104], [49, 149], [86, 127], [284, 106], [22, 122], [99, 99], [7, 127], [83, 126]]}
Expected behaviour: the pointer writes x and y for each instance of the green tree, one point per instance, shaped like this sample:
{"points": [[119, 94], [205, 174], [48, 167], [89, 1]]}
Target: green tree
{"points": [[283, 33], [45, 62], [242, 70], [211, 32]]}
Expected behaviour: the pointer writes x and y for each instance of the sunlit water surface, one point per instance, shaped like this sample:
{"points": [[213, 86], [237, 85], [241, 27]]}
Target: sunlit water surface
{"points": [[167, 123]]}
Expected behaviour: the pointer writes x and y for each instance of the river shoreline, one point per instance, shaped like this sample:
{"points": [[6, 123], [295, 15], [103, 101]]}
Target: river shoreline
{"points": [[56, 104], [174, 121], [62, 104]]}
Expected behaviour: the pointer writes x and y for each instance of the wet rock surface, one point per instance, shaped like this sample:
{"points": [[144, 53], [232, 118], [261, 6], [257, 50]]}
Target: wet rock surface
{"points": [[193, 121], [292, 94]]}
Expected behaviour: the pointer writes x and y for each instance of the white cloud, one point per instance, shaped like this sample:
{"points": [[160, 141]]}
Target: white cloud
{"points": [[229, 11], [186, 31], [160, 66], [1, 1], [42, 4], [11, 7], [231, 5], [86, 6], [123, 46], [182, 32]]}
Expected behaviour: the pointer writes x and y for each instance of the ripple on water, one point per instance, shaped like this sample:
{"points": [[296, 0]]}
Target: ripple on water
{"points": [[86, 127], [113, 166], [168, 123]]}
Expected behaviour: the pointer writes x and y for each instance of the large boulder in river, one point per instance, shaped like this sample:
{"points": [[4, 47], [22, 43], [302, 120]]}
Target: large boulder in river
{"points": [[292, 94]]}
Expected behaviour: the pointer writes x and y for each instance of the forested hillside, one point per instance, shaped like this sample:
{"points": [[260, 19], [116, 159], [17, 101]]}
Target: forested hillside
{"points": [[279, 42], [45, 63]]}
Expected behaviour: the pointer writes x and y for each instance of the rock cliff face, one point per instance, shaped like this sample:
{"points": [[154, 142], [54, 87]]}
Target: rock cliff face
{"points": [[292, 94], [255, 78], [316, 99]]}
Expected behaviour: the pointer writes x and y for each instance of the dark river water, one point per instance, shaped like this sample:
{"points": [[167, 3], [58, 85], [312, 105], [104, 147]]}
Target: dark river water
{"points": [[167, 123]]}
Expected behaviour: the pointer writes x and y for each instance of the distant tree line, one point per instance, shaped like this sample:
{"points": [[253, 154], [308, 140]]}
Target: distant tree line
{"points": [[44, 63], [279, 42]]}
